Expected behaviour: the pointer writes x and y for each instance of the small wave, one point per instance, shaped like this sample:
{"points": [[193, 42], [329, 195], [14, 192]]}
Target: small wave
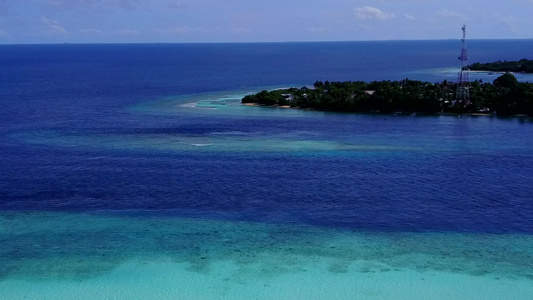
{"points": [[201, 145], [232, 132], [190, 105]]}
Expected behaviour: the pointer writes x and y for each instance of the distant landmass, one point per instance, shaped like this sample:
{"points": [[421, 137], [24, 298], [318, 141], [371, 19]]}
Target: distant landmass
{"points": [[505, 96], [523, 65]]}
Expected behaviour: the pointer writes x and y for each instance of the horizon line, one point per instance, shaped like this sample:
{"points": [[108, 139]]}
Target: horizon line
{"points": [[259, 42]]}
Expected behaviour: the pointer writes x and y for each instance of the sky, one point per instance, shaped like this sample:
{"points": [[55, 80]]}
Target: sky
{"points": [[184, 21]]}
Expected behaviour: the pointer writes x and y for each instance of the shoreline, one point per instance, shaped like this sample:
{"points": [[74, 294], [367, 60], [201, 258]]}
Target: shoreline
{"points": [[406, 113], [496, 72]]}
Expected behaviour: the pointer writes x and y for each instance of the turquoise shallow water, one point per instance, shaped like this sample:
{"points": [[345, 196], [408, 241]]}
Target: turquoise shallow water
{"points": [[289, 140], [47, 255]]}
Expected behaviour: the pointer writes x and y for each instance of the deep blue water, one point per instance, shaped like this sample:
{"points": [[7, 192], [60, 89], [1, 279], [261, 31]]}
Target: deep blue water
{"points": [[70, 140]]}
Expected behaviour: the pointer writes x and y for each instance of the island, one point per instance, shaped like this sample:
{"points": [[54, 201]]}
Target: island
{"points": [[520, 66], [506, 96]]}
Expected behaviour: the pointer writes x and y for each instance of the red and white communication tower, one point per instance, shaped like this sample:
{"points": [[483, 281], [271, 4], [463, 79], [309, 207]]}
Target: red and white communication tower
{"points": [[463, 84]]}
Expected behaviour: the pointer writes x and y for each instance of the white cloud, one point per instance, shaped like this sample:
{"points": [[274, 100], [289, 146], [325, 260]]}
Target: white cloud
{"points": [[364, 27], [177, 30], [125, 31], [178, 5], [181, 30], [3, 7], [368, 12], [408, 17], [451, 14], [318, 30], [509, 19], [91, 31], [509, 22], [126, 4], [93, 5], [53, 26], [3, 34]]}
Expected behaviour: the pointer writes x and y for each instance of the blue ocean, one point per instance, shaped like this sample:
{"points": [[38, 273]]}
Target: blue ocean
{"points": [[132, 171]]}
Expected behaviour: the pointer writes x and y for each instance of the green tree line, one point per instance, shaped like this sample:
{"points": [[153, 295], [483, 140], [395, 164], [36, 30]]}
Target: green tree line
{"points": [[505, 96], [523, 65]]}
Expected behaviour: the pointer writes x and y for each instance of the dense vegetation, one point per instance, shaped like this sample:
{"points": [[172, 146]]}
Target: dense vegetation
{"points": [[505, 96], [523, 65]]}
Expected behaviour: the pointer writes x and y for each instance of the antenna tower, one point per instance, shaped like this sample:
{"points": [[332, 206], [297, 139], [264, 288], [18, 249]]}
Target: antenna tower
{"points": [[463, 84]]}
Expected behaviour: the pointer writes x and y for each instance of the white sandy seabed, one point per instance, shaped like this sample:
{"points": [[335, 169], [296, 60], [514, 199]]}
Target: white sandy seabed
{"points": [[77, 256], [225, 280]]}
